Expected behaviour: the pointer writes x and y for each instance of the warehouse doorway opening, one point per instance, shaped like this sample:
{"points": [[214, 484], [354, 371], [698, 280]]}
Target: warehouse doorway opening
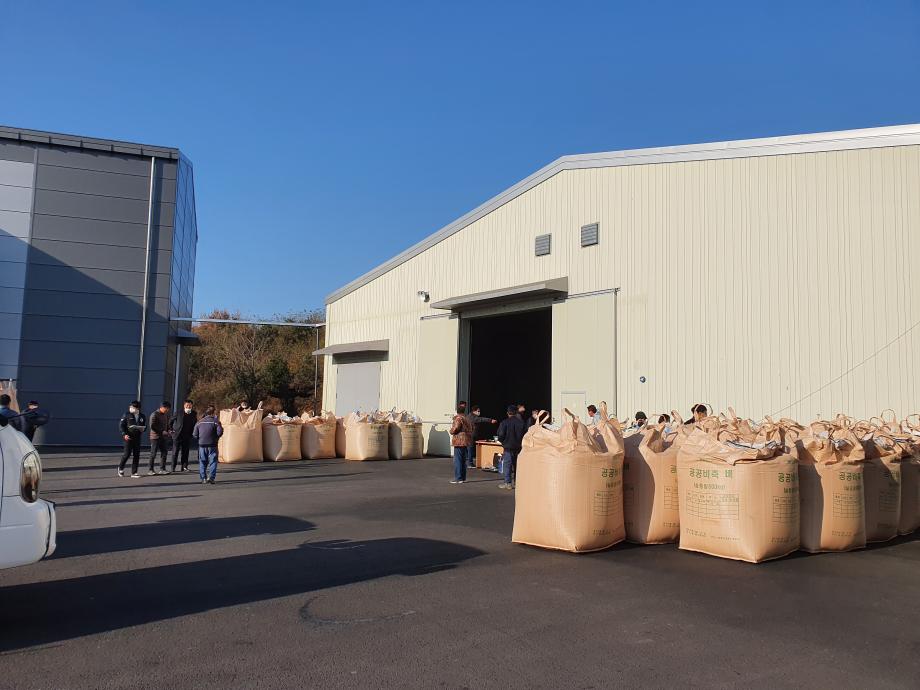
{"points": [[510, 361]]}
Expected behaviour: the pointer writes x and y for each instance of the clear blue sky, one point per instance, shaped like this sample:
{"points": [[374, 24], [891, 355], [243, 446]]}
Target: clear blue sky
{"points": [[329, 136]]}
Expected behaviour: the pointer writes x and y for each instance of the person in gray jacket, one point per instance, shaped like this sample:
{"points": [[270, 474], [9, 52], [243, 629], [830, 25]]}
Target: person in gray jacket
{"points": [[207, 431]]}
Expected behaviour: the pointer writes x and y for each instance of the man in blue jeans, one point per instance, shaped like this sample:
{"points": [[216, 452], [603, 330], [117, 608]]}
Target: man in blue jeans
{"points": [[207, 431], [510, 434]]}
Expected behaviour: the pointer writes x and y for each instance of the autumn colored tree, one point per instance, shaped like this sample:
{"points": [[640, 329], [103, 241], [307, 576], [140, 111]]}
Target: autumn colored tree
{"points": [[269, 364]]}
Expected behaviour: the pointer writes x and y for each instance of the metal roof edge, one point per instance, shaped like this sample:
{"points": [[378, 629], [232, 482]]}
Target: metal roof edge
{"points": [[873, 137], [89, 143]]}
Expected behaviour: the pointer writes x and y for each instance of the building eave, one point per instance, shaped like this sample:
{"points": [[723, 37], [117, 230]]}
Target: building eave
{"points": [[33, 136], [876, 137]]}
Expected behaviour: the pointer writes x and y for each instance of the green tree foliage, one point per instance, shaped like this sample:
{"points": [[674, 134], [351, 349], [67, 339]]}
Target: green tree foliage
{"points": [[269, 364]]}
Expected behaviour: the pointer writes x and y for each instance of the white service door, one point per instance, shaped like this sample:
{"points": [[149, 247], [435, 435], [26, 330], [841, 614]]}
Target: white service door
{"points": [[357, 387], [437, 381]]}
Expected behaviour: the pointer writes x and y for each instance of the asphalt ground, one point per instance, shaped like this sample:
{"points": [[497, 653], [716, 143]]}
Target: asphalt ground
{"points": [[339, 574]]}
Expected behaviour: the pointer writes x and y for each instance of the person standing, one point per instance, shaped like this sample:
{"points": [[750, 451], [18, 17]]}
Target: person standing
{"points": [[132, 425], [475, 421], [243, 406], [510, 433], [33, 418], [207, 431], [522, 413], [461, 435], [183, 424], [159, 437]]}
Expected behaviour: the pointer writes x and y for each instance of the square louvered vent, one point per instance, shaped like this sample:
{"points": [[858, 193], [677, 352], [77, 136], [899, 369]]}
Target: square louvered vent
{"points": [[542, 245], [589, 234]]}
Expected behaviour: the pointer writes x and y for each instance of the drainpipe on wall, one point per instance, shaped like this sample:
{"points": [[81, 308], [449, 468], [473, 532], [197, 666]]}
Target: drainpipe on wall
{"points": [[140, 365], [616, 382]]}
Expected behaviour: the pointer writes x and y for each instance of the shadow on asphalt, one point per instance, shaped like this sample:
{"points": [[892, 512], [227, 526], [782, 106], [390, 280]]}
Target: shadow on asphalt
{"points": [[170, 532], [47, 612], [78, 468], [104, 501], [155, 482], [292, 465]]}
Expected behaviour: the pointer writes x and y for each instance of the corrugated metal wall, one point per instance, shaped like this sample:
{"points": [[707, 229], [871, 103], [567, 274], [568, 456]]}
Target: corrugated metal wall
{"points": [[776, 284], [70, 317]]}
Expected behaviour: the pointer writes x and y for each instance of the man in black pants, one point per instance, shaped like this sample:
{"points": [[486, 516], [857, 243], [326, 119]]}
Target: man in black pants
{"points": [[159, 436], [510, 434], [132, 425], [183, 424]]}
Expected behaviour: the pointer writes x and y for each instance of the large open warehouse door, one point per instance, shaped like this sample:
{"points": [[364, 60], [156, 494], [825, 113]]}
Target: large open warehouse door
{"points": [[510, 361], [437, 380]]}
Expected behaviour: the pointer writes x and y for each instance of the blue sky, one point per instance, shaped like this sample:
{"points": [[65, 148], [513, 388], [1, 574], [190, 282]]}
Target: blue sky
{"points": [[329, 136]]}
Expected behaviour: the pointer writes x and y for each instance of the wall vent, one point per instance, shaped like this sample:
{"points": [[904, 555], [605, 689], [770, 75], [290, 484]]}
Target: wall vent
{"points": [[542, 245], [589, 234]]}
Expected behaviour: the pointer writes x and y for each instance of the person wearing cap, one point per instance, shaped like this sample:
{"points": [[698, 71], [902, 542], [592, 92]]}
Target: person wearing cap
{"points": [[510, 434], [33, 418], [207, 433], [132, 425]]}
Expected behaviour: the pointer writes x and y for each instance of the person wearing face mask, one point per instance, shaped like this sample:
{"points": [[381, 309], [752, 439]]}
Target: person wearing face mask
{"points": [[183, 424], [132, 425], [244, 405]]}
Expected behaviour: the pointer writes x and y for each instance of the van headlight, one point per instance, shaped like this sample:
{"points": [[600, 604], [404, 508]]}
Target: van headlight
{"points": [[30, 477]]}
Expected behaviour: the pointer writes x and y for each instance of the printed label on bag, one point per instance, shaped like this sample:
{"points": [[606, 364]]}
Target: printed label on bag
{"points": [[629, 496], [848, 505], [606, 503], [785, 508], [712, 506], [671, 498], [889, 501]]}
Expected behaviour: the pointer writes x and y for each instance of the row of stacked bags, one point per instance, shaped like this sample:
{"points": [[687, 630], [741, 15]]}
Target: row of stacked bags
{"points": [[724, 486], [253, 435]]}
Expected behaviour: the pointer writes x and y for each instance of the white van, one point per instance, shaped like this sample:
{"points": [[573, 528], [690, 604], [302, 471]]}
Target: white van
{"points": [[28, 528]]}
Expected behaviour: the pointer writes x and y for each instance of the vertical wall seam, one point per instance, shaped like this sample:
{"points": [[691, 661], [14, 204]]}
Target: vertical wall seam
{"points": [[140, 366], [25, 274]]}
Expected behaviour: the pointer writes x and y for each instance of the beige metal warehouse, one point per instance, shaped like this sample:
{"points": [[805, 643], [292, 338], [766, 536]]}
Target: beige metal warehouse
{"points": [[774, 275]]}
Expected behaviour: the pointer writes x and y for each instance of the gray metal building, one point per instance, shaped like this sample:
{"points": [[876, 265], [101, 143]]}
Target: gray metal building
{"points": [[97, 263]]}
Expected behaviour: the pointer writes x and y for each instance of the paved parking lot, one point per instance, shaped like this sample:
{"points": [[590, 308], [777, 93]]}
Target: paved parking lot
{"points": [[335, 574]]}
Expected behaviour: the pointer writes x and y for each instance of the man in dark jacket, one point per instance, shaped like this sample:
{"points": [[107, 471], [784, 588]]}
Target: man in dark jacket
{"points": [[183, 424], [207, 431], [477, 422], [159, 437], [132, 425], [33, 418], [510, 433]]}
